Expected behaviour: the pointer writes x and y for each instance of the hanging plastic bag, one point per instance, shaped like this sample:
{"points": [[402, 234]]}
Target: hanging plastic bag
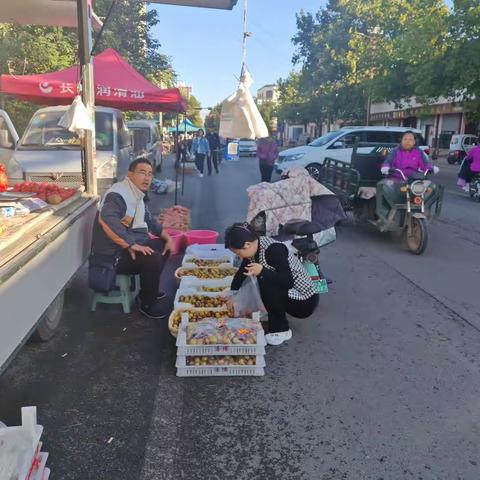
{"points": [[77, 118], [247, 300]]}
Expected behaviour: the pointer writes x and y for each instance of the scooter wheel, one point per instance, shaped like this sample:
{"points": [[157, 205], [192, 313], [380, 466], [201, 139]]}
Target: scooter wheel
{"points": [[417, 237]]}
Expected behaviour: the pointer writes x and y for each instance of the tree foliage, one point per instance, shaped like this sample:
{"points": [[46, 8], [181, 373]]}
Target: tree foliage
{"points": [[35, 49], [212, 120], [388, 50]]}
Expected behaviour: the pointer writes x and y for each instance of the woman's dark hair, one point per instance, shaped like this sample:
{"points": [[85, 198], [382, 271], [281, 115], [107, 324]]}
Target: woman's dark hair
{"points": [[408, 132], [237, 235]]}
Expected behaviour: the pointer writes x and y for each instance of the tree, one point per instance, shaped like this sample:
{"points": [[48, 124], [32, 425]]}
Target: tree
{"points": [[30, 50], [194, 111], [212, 120], [268, 111]]}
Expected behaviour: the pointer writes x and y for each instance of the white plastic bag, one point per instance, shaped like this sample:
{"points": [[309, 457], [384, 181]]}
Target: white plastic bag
{"points": [[248, 300], [77, 118]]}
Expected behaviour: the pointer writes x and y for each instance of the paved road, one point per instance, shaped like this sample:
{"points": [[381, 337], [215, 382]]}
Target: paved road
{"points": [[382, 383]]}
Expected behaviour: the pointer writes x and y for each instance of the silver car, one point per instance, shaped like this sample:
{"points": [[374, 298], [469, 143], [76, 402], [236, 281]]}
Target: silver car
{"points": [[50, 153]]}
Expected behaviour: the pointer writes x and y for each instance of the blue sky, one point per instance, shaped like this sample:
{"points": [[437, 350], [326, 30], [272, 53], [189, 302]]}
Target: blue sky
{"points": [[205, 44]]}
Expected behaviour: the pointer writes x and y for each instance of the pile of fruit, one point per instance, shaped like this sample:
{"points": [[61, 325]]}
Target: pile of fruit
{"points": [[202, 262], [206, 273], [222, 360], [48, 192], [176, 217], [203, 301], [213, 289], [198, 315], [225, 332]]}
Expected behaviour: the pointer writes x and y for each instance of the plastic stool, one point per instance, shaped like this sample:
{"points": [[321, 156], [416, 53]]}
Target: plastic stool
{"points": [[124, 295]]}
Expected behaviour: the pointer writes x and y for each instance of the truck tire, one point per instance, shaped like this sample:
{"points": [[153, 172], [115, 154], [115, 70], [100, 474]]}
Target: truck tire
{"points": [[50, 320]]}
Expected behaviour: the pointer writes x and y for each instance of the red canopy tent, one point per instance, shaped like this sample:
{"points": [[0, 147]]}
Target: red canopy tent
{"points": [[117, 85]]}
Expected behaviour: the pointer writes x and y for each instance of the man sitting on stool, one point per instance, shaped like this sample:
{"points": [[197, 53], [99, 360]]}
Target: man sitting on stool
{"points": [[121, 229]]}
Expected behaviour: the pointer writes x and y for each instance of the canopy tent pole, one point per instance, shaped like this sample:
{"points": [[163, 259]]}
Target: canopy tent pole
{"points": [[176, 168], [88, 93], [183, 163]]}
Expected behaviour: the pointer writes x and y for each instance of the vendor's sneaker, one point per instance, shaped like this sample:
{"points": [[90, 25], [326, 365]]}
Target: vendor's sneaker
{"points": [[158, 298], [200, 175], [155, 311], [278, 338], [466, 187]]}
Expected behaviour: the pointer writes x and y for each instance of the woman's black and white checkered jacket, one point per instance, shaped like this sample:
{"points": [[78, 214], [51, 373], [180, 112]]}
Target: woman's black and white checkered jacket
{"points": [[303, 287]]}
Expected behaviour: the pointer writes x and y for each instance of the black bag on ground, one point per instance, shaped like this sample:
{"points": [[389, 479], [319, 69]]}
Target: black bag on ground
{"points": [[102, 270]]}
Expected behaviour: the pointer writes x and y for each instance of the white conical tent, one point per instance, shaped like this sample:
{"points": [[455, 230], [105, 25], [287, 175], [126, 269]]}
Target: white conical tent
{"points": [[240, 117]]}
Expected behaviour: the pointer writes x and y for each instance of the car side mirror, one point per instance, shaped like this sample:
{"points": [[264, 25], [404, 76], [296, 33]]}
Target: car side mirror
{"points": [[338, 145], [4, 140], [124, 139]]}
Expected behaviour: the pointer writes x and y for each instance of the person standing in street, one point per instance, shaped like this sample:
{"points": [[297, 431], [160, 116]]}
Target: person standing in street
{"points": [[267, 153], [201, 149], [214, 142]]}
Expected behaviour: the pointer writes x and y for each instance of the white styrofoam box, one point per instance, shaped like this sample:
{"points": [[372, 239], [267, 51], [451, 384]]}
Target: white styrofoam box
{"points": [[194, 283], [177, 304], [210, 248], [226, 256], [39, 473], [46, 474]]}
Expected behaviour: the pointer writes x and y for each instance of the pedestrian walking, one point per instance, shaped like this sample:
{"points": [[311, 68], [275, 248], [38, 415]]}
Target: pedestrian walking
{"points": [[267, 153], [201, 149], [182, 151], [214, 142]]}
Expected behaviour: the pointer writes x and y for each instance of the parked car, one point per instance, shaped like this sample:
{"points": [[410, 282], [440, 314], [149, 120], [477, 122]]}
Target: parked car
{"points": [[49, 153], [247, 147], [459, 147], [8, 138], [146, 140], [339, 145]]}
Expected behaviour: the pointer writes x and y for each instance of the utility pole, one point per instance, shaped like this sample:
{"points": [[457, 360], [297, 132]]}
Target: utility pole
{"points": [[88, 91]]}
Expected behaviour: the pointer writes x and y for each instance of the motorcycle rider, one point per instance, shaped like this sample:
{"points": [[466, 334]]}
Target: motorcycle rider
{"points": [[470, 167], [407, 158]]}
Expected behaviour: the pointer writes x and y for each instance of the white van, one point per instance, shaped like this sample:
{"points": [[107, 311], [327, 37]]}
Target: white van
{"points": [[146, 140], [339, 145], [49, 153]]}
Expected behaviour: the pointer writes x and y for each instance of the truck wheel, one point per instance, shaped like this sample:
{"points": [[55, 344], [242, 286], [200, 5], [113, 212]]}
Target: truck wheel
{"points": [[417, 236], [50, 320], [315, 170]]}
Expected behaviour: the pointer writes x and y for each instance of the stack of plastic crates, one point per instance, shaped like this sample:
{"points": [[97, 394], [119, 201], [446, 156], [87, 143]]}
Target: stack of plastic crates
{"points": [[224, 353]]}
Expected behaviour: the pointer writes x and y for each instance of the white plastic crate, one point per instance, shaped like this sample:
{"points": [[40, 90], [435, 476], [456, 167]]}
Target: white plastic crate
{"points": [[177, 304], [183, 349], [182, 362], [194, 283], [229, 371]]}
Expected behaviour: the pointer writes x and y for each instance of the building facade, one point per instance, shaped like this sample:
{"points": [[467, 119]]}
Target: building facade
{"points": [[268, 93], [437, 121]]}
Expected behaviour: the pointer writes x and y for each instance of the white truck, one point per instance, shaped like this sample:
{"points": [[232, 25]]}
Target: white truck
{"points": [[39, 254]]}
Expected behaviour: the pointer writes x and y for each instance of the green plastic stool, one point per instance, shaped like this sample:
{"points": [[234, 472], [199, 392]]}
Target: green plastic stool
{"points": [[124, 295]]}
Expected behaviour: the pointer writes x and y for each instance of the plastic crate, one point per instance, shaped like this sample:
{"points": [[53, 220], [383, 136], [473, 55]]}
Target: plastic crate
{"points": [[229, 371], [183, 349], [182, 362], [171, 327], [178, 305], [179, 278]]}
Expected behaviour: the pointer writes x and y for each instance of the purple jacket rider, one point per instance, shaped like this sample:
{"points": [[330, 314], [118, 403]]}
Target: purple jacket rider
{"points": [[408, 161]]}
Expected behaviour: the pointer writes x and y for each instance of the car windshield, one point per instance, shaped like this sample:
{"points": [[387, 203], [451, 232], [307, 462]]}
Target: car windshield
{"points": [[323, 140], [141, 138], [43, 132]]}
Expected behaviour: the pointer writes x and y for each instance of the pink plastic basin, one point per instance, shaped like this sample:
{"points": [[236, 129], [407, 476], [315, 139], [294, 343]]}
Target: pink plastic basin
{"points": [[201, 237], [177, 237]]}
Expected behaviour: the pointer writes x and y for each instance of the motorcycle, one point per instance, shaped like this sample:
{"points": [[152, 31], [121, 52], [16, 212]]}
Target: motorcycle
{"points": [[474, 189], [308, 250]]}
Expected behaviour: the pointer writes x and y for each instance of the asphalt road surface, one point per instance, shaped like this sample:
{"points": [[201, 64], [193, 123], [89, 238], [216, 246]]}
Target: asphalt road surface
{"points": [[382, 382]]}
